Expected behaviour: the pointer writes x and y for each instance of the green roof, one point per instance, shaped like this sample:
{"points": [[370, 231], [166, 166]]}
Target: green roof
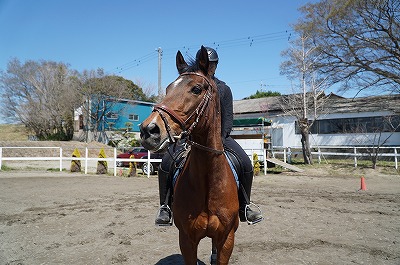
{"points": [[251, 122]]}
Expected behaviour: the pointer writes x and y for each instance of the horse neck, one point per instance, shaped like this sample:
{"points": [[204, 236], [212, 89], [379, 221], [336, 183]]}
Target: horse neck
{"points": [[208, 132], [205, 166]]}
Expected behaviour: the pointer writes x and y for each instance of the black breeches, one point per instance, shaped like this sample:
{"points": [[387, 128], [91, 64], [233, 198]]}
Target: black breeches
{"points": [[233, 145]]}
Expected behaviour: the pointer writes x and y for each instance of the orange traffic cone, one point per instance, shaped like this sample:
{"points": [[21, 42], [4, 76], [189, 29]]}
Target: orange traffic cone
{"points": [[363, 185]]}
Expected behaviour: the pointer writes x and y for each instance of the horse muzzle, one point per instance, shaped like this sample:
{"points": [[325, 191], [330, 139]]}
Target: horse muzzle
{"points": [[152, 137]]}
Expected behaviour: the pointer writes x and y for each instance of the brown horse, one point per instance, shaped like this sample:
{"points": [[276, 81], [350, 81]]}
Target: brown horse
{"points": [[205, 194]]}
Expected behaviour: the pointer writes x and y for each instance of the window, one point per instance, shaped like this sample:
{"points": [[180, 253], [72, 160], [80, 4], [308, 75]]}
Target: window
{"points": [[355, 125], [313, 129], [133, 117]]}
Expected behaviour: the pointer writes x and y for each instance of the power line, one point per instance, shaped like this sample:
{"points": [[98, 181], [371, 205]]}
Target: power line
{"points": [[136, 62], [170, 52]]}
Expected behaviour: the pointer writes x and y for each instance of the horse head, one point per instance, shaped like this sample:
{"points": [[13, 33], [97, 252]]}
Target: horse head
{"points": [[185, 108]]}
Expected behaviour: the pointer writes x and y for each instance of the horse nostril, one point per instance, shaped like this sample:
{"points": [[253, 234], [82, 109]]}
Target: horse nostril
{"points": [[151, 129], [154, 130]]}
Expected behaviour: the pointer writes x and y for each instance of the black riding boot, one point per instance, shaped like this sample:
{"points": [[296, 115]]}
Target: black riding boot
{"points": [[164, 214], [245, 212]]}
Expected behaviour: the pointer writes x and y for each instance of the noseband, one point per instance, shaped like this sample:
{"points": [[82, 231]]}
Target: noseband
{"points": [[196, 114]]}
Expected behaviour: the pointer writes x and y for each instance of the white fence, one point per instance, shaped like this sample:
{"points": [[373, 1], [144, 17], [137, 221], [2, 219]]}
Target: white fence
{"points": [[287, 152], [348, 151], [85, 160]]}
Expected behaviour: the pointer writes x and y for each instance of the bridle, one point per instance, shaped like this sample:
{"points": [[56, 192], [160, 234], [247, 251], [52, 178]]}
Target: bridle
{"points": [[196, 115]]}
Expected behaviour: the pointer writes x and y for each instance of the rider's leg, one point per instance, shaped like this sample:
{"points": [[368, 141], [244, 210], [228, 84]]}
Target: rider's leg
{"points": [[171, 159], [245, 212], [245, 182], [164, 213], [164, 186]]}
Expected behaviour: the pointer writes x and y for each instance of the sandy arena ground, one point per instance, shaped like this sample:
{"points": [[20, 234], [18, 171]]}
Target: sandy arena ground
{"points": [[72, 218]]}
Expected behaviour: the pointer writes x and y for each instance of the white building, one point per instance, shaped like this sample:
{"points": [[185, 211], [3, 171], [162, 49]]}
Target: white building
{"points": [[343, 122]]}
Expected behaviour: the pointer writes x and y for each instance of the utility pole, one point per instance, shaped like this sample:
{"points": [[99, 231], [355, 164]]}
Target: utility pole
{"points": [[160, 92]]}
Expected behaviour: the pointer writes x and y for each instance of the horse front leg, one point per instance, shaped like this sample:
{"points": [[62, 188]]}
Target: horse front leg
{"points": [[188, 249], [224, 250]]}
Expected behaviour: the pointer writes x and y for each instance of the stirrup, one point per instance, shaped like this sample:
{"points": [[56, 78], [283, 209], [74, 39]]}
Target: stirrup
{"points": [[245, 214], [168, 209]]}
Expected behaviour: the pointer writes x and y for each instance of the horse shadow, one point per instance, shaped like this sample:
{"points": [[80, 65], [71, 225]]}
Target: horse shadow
{"points": [[175, 259]]}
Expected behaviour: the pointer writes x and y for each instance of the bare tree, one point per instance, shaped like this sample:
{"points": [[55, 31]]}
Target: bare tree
{"points": [[100, 93], [39, 95], [148, 90], [358, 41], [375, 134], [43, 95], [308, 95]]}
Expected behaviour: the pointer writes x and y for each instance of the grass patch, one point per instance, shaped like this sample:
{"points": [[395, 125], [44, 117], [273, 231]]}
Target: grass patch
{"points": [[55, 169], [6, 168], [13, 132]]}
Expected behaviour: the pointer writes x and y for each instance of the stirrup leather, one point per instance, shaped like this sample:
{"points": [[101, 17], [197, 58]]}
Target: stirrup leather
{"points": [[245, 214], [168, 209]]}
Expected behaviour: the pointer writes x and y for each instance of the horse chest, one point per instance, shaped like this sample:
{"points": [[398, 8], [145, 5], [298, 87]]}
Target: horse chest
{"points": [[202, 225], [199, 215]]}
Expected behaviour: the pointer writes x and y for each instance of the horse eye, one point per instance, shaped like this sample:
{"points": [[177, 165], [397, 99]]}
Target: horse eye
{"points": [[196, 90]]}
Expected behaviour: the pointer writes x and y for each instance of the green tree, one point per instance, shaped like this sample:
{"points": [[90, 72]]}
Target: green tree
{"points": [[263, 94], [100, 93], [133, 91]]}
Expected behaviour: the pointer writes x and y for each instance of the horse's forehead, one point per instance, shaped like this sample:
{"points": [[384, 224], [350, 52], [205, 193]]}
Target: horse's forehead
{"points": [[180, 81], [177, 82], [186, 81]]}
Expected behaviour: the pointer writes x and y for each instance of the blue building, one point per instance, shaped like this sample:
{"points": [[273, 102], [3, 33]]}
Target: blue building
{"points": [[123, 112], [112, 115]]}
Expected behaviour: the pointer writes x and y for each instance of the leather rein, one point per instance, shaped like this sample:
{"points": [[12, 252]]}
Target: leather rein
{"points": [[196, 114]]}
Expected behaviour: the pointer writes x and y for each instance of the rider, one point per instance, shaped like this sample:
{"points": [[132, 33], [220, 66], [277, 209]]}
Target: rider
{"points": [[245, 213]]}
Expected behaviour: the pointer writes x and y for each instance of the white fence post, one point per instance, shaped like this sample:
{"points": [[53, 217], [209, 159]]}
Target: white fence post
{"points": [[265, 161], [395, 157], [115, 162], [319, 155], [1, 156], [355, 156], [61, 159], [86, 160], [251, 157], [148, 164], [284, 154]]}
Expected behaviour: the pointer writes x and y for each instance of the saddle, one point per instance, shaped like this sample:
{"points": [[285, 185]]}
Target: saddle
{"points": [[180, 160]]}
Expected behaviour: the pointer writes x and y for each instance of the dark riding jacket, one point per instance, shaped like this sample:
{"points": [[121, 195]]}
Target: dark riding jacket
{"points": [[226, 100]]}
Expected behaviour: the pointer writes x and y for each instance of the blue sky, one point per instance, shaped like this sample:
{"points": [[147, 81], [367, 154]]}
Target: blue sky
{"points": [[122, 36]]}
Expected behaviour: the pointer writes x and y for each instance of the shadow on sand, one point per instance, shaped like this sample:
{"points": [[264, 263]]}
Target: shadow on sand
{"points": [[175, 259]]}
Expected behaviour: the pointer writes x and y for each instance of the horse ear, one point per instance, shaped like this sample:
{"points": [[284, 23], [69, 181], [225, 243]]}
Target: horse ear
{"points": [[203, 60], [181, 65]]}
